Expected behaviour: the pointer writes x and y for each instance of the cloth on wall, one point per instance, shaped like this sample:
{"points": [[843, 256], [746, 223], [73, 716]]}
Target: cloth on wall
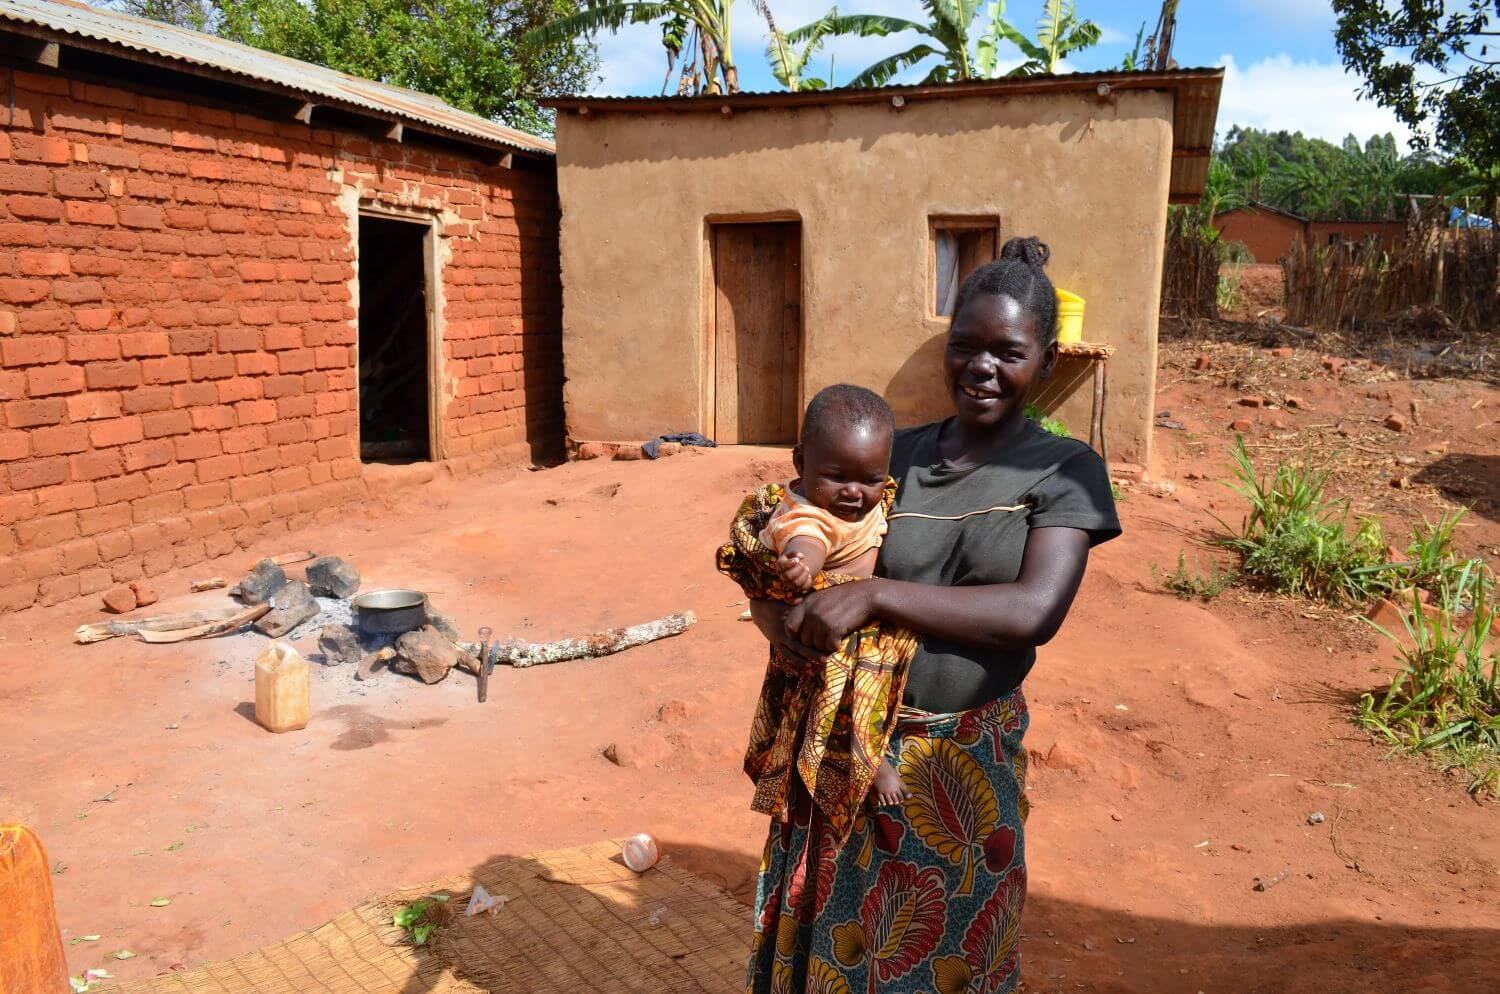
{"points": [[946, 282]]}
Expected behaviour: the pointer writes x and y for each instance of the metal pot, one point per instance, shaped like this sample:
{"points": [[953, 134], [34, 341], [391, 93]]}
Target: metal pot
{"points": [[390, 612]]}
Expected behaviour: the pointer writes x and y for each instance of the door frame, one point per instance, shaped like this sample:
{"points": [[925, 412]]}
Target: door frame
{"points": [[708, 346], [432, 270]]}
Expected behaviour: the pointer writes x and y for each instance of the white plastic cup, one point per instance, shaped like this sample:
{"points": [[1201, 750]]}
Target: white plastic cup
{"points": [[640, 852]]}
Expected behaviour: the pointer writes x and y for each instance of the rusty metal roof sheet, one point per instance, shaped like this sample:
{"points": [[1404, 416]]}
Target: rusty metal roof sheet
{"points": [[1195, 95], [126, 35]]}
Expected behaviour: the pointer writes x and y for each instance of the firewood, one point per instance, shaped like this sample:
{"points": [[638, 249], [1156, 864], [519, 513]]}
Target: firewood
{"points": [[229, 624], [212, 583], [101, 630]]}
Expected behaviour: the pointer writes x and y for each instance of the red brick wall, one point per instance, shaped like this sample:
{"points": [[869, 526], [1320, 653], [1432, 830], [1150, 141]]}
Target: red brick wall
{"points": [[1389, 232], [1267, 235], [177, 326]]}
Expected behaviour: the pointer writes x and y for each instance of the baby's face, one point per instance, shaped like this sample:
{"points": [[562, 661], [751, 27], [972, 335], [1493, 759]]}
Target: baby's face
{"points": [[846, 475]]}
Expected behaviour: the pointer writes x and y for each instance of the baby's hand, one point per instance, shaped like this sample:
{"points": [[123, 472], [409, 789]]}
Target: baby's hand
{"points": [[794, 571]]}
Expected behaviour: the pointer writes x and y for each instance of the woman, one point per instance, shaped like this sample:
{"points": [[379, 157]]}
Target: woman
{"points": [[987, 545]]}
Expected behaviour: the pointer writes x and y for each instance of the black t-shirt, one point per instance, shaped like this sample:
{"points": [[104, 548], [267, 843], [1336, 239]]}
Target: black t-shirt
{"points": [[966, 525]]}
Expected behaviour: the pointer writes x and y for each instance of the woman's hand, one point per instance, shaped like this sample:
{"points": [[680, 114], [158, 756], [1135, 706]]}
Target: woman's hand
{"points": [[770, 618], [826, 617]]}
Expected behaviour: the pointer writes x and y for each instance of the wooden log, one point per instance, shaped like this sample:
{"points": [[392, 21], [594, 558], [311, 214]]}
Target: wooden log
{"points": [[212, 583], [233, 622], [367, 665], [101, 630], [599, 644]]}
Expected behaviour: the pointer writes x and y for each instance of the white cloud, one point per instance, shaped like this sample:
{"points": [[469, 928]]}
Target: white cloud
{"points": [[1110, 36], [1318, 99]]}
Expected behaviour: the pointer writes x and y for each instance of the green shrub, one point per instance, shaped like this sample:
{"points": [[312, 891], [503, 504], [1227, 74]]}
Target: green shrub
{"points": [[1445, 700], [1296, 541]]}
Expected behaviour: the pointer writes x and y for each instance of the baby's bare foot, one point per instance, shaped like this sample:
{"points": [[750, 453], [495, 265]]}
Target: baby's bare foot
{"points": [[888, 788]]}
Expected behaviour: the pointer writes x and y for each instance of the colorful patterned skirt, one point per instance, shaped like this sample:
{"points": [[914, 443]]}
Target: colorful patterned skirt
{"points": [[926, 896]]}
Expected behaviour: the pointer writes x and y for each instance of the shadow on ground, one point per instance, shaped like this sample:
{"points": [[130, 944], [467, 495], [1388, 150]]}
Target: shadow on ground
{"points": [[1067, 946]]}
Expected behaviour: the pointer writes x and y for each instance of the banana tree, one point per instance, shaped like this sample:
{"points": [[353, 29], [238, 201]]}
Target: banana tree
{"points": [[1059, 33], [788, 64], [709, 20], [946, 35]]}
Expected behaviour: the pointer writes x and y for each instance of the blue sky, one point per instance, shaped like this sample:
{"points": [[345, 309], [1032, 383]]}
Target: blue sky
{"points": [[1281, 67]]}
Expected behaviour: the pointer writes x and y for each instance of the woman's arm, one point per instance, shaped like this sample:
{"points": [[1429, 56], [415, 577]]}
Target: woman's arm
{"points": [[1022, 614]]}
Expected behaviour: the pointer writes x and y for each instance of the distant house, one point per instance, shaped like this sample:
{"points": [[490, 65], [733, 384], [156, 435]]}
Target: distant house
{"points": [[1268, 232], [726, 257]]}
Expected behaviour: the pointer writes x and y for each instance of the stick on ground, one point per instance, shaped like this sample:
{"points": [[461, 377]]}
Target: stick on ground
{"points": [[606, 643]]}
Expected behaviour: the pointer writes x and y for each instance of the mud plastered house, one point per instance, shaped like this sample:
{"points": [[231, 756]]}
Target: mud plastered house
{"points": [[724, 258], [239, 293]]}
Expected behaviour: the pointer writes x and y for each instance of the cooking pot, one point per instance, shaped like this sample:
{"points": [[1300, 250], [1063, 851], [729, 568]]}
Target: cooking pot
{"points": [[390, 612]]}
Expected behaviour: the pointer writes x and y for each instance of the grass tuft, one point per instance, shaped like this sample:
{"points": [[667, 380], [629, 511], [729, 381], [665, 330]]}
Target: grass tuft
{"points": [[1445, 699], [1191, 585]]}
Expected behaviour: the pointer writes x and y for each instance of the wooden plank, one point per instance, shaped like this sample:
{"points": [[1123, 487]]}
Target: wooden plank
{"points": [[791, 333], [726, 386]]}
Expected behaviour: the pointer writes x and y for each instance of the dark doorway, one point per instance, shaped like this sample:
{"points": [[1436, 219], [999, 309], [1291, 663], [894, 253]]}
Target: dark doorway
{"points": [[394, 418], [757, 325]]}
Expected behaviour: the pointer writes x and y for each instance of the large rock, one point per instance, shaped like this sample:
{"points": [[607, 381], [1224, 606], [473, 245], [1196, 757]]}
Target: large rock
{"points": [[425, 654], [290, 606], [330, 576], [340, 645], [260, 583]]}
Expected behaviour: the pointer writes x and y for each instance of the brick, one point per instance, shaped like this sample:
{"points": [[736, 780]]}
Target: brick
{"points": [[42, 381], [14, 445], [39, 148], [171, 478], [122, 488], [80, 553], [159, 424], [96, 465], [113, 542], [35, 473], [119, 431], [91, 581], [42, 533], [144, 343], [77, 291], [238, 339], [144, 455], [59, 440], [34, 208], [109, 155], [145, 537], [112, 375], [283, 337], [23, 291], [31, 413], [147, 133], [92, 348], [24, 179], [226, 223], [94, 406], [148, 189], [12, 384], [257, 271], [43, 264], [148, 399], [173, 369], [66, 497], [213, 366], [218, 468], [79, 185], [31, 351], [282, 386], [141, 216], [200, 445], [93, 318], [80, 212]]}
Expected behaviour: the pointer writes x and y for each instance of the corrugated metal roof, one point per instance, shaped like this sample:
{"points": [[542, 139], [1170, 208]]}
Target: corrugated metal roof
{"points": [[314, 83], [1195, 106]]}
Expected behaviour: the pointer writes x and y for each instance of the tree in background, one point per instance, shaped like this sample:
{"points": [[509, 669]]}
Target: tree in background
{"points": [[1458, 99], [466, 52], [788, 64], [949, 31], [710, 67]]}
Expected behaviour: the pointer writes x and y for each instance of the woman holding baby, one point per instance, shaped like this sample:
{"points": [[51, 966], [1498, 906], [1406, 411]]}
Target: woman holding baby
{"points": [[985, 548]]}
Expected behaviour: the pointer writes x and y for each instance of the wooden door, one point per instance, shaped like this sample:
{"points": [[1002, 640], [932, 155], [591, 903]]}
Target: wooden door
{"points": [[757, 324]]}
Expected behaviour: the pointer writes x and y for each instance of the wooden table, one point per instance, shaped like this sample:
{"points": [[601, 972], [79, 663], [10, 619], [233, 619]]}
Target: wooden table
{"points": [[1076, 360]]}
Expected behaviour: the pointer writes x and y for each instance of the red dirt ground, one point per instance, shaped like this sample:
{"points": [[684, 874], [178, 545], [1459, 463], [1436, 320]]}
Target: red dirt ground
{"points": [[1178, 748]]}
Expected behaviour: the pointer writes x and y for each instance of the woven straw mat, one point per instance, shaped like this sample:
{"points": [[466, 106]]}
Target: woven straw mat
{"points": [[577, 921]]}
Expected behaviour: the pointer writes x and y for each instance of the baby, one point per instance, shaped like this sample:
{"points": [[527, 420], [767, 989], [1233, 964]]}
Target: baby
{"points": [[829, 728], [833, 515]]}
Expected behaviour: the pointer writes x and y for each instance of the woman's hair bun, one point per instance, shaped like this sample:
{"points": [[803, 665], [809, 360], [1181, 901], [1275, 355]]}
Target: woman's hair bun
{"points": [[1030, 250]]}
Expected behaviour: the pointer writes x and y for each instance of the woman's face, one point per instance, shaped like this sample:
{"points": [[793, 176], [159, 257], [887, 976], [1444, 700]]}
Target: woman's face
{"points": [[992, 359]]}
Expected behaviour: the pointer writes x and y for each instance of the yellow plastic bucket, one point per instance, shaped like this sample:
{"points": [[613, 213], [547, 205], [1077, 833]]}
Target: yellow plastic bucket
{"points": [[1069, 317]]}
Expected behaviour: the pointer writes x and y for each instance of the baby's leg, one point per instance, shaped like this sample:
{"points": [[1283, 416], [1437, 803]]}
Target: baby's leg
{"points": [[888, 788]]}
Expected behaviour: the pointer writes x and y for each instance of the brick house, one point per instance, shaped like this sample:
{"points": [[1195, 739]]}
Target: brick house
{"points": [[1268, 232], [239, 292]]}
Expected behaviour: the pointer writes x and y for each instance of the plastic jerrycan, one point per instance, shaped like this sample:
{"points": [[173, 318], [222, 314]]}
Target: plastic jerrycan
{"points": [[31, 949], [282, 690]]}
